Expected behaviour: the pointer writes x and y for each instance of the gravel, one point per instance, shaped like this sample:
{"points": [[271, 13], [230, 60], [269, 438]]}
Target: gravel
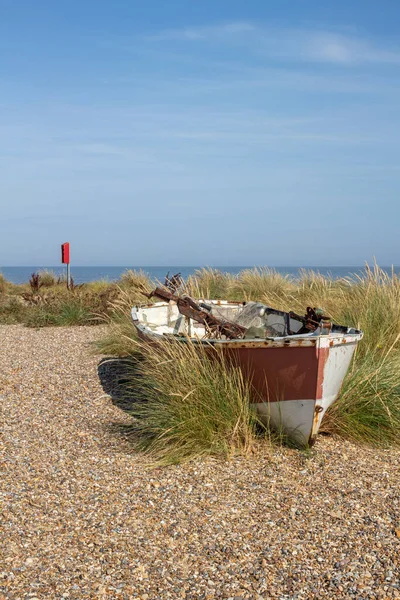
{"points": [[84, 517]]}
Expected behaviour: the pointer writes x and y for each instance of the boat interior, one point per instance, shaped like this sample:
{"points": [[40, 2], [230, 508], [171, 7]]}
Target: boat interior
{"points": [[261, 321]]}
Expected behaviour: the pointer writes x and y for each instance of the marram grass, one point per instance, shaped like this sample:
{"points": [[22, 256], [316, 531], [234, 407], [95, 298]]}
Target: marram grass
{"points": [[369, 406], [48, 278], [188, 404], [257, 283], [3, 284], [368, 410], [120, 338], [209, 283]]}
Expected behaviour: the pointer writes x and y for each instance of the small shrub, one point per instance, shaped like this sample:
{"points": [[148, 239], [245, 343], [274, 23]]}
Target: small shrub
{"points": [[35, 282], [12, 310], [60, 311], [38, 316]]}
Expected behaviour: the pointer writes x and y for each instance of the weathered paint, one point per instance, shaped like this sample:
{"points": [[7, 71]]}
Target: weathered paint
{"points": [[294, 378]]}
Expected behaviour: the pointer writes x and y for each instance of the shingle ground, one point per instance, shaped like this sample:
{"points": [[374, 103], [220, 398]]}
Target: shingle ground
{"points": [[83, 517]]}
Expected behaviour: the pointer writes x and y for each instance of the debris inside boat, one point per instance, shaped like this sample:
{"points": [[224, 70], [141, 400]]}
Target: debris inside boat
{"points": [[296, 364]]}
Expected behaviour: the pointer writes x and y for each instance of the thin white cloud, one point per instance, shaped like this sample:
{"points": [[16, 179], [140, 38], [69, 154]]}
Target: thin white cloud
{"points": [[305, 45], [217, 32], [342, 49]]}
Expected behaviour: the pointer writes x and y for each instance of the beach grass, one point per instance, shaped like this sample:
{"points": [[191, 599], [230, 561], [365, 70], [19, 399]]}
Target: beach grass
{"points": [[136, 282], [369, 406], [257, 283], [188, 404], [3, 284], [47, 301], [120, 338], [368, 409], [48, 278], [209, 283]]}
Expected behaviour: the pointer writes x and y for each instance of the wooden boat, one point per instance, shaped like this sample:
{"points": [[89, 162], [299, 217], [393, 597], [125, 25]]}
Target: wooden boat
{"points": [[296, 372]]}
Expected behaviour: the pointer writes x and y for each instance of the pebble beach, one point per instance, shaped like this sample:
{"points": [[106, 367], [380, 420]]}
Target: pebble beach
{"points": [[84, 517]]}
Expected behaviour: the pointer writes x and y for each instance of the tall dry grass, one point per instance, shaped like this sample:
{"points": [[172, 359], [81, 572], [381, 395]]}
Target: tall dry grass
{"points": [[3, 284], [47, 278], [120, 338], [209, 283], [257, 283], [135, 282]]}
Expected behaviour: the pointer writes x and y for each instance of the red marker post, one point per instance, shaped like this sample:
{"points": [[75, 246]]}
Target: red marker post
{"points": [[65, 261]]}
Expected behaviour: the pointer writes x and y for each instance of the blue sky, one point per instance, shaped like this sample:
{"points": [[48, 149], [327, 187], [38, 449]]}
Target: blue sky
{"points": [[189, 133]]}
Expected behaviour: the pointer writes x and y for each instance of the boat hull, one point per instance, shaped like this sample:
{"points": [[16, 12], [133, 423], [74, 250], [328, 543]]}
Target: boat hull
{"points": [[294, 385]]}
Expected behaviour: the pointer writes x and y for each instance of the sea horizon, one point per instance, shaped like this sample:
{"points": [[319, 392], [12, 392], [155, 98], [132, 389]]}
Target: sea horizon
{"points": [[86, 274]]}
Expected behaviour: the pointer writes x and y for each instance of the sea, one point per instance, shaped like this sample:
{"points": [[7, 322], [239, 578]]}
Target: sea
{"points": [[87, 274]]}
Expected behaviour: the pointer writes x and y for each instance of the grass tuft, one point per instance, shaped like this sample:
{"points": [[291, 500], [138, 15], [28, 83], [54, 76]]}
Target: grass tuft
{"points": [[261, 283], [136, 282], [47, 278], [64, 313], [209, 283], [4, 285], [188, 405], [120, 338], [368, 410], [12, 310]]}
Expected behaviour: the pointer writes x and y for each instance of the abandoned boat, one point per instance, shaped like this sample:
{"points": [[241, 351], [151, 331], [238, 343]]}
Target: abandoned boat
{"points": [[296, 365]]}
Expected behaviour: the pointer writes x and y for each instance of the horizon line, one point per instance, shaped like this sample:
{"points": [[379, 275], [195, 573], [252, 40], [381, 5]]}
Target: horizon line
{"points": [[274, 266]]}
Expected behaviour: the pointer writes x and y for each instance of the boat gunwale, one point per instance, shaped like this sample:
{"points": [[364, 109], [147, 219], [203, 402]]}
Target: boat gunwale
{"points": [[298, 340]]}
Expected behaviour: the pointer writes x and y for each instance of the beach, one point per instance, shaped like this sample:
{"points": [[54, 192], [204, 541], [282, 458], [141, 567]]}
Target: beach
{"points": [[83, 516]]}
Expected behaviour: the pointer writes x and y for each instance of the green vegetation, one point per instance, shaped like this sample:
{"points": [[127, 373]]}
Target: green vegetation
{"points": [[188, 405], [48, 278], [253, 284], [46, 301], [185, 421], [3, 284], [136, 281], [120, 338], [209, 283], [368, 410]]}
